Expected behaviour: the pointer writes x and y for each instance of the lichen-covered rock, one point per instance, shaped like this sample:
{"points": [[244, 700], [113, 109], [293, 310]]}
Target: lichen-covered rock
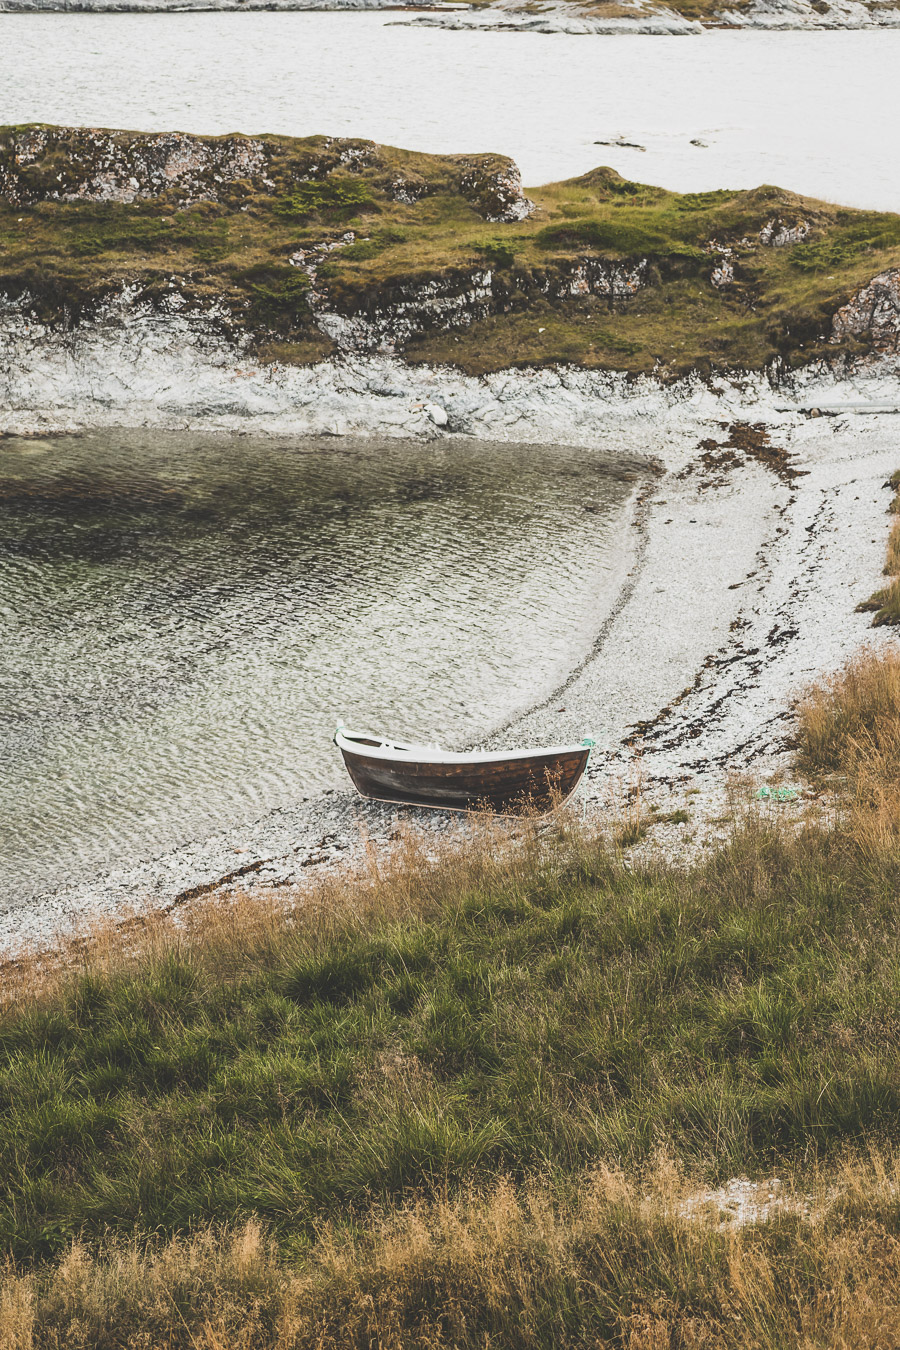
{"points": [[723, 273], [777, 234], [388, 320], [388, 323], [564, 16], [599, 276], [775, 15], [492, 185], [166, 6], [79, 164], [873, 313], [633, 17], [409, 188], [353, 153], [72, 164]]}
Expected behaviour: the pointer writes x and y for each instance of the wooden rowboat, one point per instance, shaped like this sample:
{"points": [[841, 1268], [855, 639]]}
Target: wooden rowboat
{"points": [[510, 782]]}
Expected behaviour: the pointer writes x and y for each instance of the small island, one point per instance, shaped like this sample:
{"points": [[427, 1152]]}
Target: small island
{"points": [[292, 252]]}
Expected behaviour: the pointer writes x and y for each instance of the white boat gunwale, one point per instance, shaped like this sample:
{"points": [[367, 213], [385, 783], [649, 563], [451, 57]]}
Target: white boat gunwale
{"points": [[377, 747]]}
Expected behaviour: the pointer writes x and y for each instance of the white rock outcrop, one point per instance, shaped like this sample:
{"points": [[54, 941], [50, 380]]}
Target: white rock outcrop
{"points": [[776, 234], [166, 6], [793, 14], [455, 301], [170, 365], [100, 166], [874, 312], [561, 16], [556, 16]]}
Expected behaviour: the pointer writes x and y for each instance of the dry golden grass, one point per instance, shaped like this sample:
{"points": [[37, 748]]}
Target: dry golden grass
{"points": [[892, 564], [850, 720], [850, 733], [410, 877], [619, 1261]]}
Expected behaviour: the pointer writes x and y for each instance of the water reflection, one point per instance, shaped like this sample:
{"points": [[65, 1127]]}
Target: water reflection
{"points": [[184, 617]]}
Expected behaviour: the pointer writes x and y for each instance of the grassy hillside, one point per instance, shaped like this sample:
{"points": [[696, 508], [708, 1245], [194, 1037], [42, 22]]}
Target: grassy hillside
{"points": [[603, 272], [541, 1014], [469, 1098]]}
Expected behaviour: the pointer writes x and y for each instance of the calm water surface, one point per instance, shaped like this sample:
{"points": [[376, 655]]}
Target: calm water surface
{"points": [[815, 112], [185, 617]]}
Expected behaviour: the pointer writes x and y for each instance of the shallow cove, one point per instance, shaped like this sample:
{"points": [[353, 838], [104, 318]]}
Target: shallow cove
{"points": [[186, 616]]}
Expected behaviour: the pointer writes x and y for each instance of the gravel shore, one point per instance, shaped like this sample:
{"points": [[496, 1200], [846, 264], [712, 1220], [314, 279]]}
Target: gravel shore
{"points": [[747, 554]]}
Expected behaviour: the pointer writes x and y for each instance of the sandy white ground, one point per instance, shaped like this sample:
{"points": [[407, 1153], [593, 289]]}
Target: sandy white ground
{"points": [[744, 589], [739, 585]]}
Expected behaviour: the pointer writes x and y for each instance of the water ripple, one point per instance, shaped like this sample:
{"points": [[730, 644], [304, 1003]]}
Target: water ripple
{"points": [[184, 617]]}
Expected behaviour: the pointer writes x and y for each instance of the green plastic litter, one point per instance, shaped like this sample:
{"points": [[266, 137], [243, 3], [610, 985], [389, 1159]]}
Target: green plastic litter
{"points": [[778, 794]]}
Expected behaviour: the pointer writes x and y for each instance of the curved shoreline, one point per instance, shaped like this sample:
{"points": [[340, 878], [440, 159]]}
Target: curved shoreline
{"points": [[741, 587]]}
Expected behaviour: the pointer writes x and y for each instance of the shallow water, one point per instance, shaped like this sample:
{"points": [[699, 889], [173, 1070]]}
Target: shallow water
{"points": [[184, 618], [814, 112]]}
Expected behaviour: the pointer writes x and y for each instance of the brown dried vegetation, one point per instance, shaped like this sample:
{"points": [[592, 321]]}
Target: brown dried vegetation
{"points": [[631, 1263]]}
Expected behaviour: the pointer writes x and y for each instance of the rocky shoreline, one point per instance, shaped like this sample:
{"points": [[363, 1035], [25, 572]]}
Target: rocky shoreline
{"points": [[560, 17], [758, 529], [555, 16], [185, 6], [139, 364]]}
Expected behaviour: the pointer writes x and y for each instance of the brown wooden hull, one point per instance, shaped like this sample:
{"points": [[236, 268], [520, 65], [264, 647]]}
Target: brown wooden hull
{"points": [[510, 786]]}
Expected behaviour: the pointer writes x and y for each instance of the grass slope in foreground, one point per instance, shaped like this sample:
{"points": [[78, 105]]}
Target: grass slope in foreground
{"points": [[467, 1098], [311, 246]]}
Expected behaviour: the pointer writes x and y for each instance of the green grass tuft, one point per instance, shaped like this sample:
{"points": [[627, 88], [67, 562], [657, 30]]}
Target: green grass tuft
{"points": [[679, 817], [885, 603], [335, 198]]}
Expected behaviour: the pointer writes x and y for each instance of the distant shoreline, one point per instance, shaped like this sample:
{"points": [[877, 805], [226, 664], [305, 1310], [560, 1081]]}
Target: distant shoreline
{"points": [[557, 16]]}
